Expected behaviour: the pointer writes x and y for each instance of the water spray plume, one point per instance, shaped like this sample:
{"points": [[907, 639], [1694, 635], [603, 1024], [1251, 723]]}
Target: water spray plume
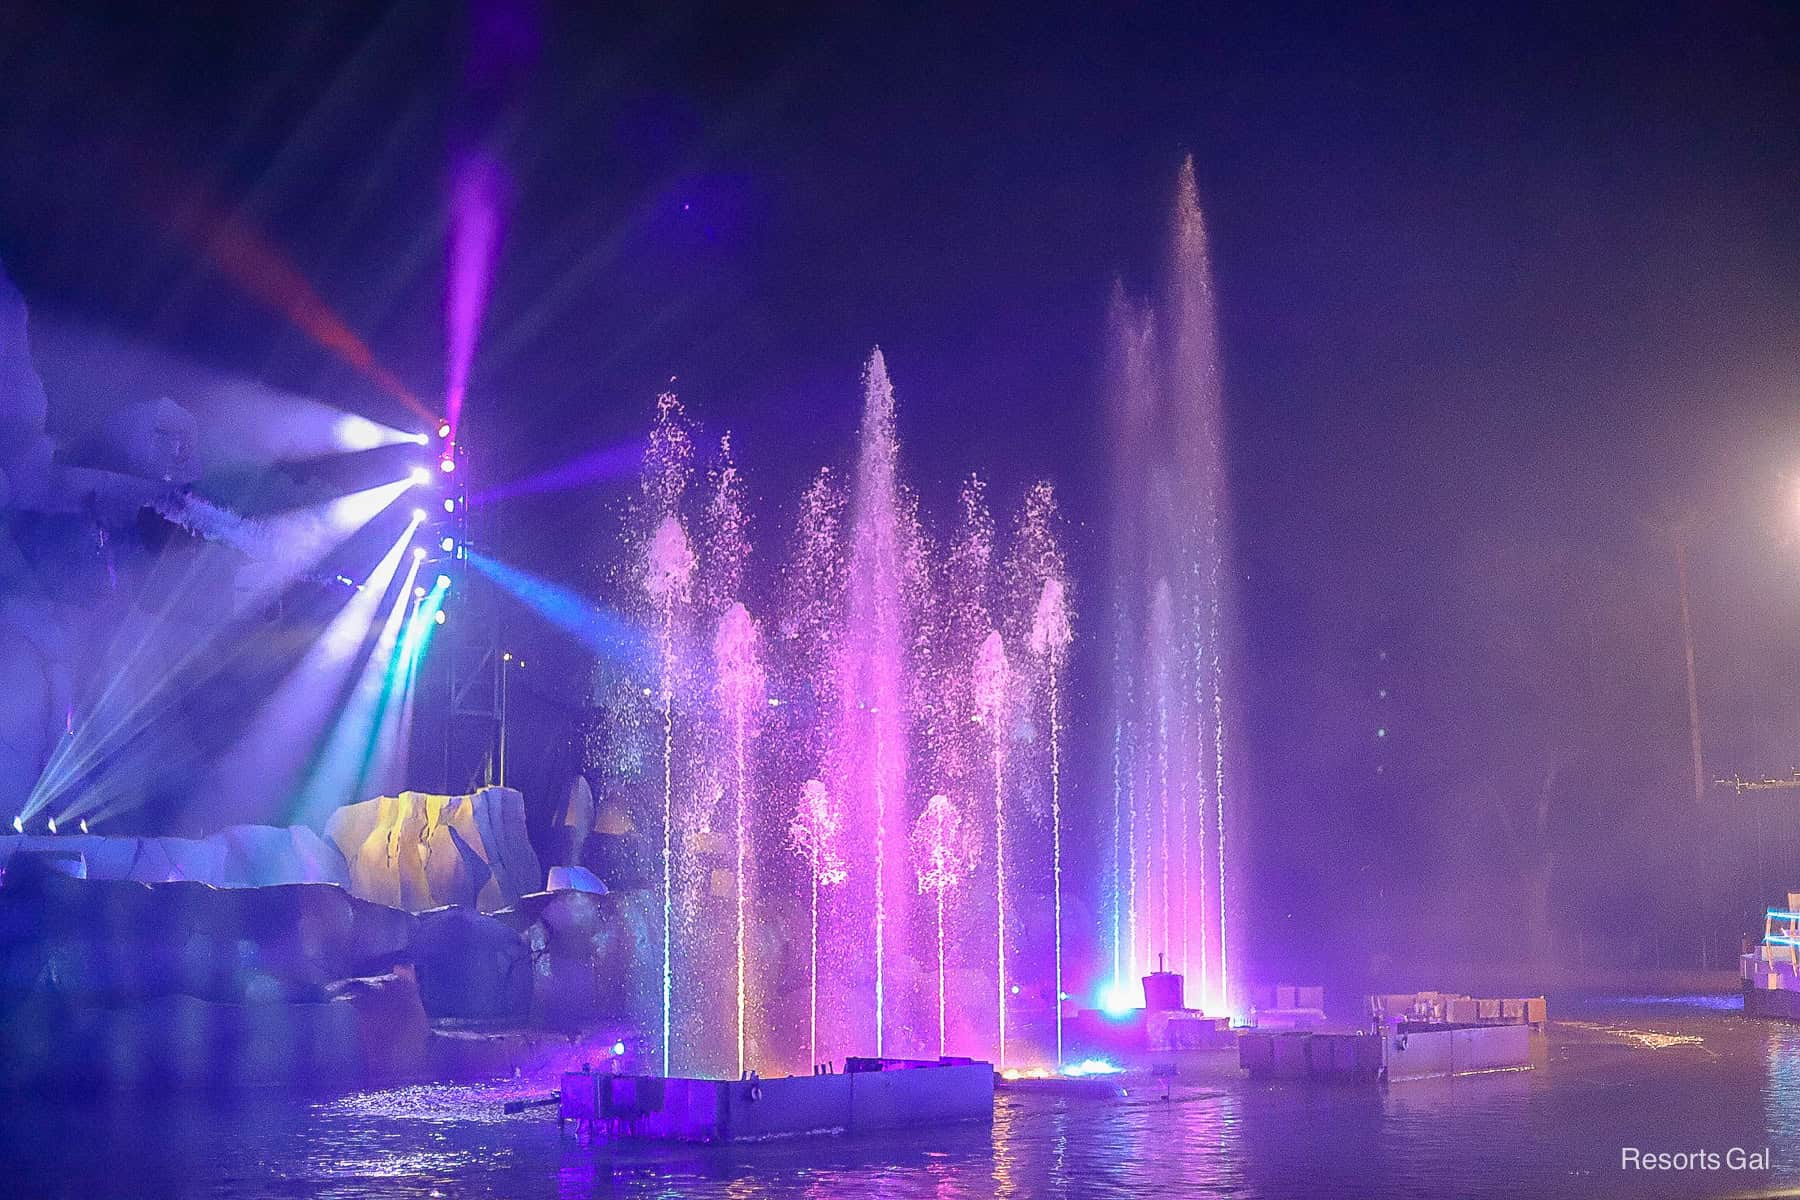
{"points": [[943, 855], [872, 742], [1051, 634], [740, 683], [813, 833], [668, 568], [990, 685], [1170, 611]]}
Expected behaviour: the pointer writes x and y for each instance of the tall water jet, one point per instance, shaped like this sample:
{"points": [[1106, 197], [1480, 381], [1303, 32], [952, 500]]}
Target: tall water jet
{"points": [[990, 686], [813, 833], [1041, 618], [883, 678], [1171, 610], [668, 572], [1051, 634], [1131, 395], [943, 855], [740, 685], [871, 751]]}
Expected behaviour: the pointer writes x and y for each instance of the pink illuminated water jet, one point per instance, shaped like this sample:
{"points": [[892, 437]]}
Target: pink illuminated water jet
{"points": [[990, 686], [740, 683], [944, 853], [800, 761], [813, 832], [871, 750]]}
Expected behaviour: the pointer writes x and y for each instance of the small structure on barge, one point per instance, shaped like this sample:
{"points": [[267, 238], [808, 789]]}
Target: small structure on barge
{"points": [[1770, 970], [1419, 1035]]}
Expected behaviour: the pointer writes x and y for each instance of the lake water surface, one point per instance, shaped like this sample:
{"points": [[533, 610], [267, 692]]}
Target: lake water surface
{"points": [[1687, 1076]]}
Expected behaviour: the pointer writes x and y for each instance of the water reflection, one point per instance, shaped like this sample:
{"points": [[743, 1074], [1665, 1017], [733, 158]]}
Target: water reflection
{"points": [[1552, 1132]]}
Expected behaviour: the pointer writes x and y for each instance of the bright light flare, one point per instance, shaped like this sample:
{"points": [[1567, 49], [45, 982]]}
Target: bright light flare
{"points": [[352, 432], [1091, 1066], [1118, 998]]}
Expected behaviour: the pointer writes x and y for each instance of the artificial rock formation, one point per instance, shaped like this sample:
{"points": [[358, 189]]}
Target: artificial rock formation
{"points": [[238, 856], [415, 851], [471, 966], [593, 957]]}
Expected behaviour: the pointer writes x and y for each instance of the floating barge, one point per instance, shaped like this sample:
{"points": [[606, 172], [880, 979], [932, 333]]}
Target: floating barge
{"points": [[1771, 971], [870, 1094], [1423, 1035]]}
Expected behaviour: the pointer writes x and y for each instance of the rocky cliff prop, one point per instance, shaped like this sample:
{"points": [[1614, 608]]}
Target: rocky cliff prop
{"points": [[415, 851], [238, 856], [593, 956], [115, 982]]}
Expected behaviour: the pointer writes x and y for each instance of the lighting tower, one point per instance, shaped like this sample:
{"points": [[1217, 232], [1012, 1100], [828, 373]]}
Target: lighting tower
{"points": [[468, 724]]}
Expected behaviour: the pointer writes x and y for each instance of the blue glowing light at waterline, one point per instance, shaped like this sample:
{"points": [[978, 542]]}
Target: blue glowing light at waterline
{"points": [[1091, 1066], [1118, 998]]}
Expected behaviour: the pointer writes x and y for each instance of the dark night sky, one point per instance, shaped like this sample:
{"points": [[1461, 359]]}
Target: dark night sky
{"points": [[1494, 287]]}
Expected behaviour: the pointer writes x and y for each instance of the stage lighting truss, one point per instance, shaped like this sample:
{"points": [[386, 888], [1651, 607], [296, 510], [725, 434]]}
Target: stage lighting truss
{"points": [[445, 528]]}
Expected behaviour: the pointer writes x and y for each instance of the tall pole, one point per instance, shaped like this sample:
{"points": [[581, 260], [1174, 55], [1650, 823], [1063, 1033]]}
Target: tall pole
{"points": [[505, 663], [1693, 690]]}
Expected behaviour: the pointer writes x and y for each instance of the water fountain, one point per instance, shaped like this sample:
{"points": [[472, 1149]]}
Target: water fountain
{"points": [[798, 766], [1171, 886], [813, 835], [944, 853], [990, 706], [740, 683]]}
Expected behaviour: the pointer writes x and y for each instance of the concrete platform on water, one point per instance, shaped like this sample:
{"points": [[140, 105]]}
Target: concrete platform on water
{"points": [[871, 1094], [1399, 1053]]}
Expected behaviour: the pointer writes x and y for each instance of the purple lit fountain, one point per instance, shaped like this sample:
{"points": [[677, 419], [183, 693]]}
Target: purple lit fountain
{"points": [[795, 771]]}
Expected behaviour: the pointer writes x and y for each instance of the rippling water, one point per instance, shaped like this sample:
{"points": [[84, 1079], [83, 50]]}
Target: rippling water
{"points": [[1652, 1072]]}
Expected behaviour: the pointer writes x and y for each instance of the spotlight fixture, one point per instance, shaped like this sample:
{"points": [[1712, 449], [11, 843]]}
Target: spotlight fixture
{"points": [[18, 824], [507, 657], [419, 476], [419, 593], [448, 545], [438, 616], [52, 824], [418, 554], [443, 582], [446, 464], [83, 824], [419, 516], [423, 439], [450, 504], [443, 429]]}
